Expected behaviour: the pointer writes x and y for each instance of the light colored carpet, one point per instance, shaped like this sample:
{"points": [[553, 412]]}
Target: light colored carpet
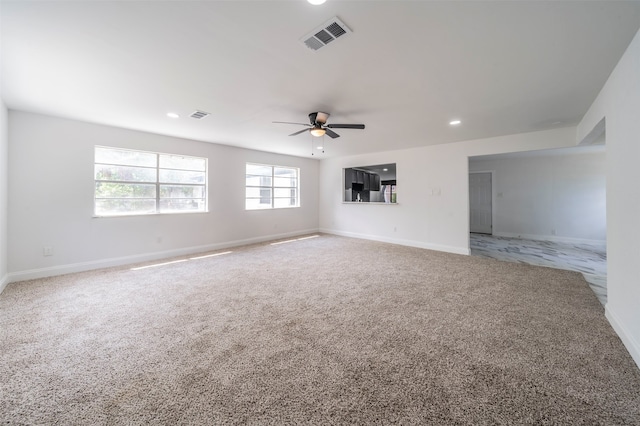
{"points": [[327, 330], [589, 259]]}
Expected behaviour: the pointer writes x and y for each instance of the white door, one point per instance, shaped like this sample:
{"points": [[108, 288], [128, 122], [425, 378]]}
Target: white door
{"points": [[480, 203]]}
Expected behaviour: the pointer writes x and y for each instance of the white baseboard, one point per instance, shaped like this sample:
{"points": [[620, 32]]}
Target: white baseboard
{"points": [[145, 257], [4, 282], [553, 238], [629, 342], [410, 243]]}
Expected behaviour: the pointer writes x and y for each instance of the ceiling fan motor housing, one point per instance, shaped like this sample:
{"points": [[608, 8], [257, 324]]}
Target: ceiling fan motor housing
{"points": [[317, 118]]}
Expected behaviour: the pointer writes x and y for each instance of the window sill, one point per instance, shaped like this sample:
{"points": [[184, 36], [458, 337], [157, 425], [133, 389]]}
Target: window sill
{"points": [[143, 215], [377, 203]]}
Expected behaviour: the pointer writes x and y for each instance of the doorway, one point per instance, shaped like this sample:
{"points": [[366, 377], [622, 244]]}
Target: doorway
{"points": [[548, 209], [480, 203]]}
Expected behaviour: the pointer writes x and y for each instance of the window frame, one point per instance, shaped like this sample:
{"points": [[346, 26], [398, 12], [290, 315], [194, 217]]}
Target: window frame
{"points": [[157, 184], [272, 188]]}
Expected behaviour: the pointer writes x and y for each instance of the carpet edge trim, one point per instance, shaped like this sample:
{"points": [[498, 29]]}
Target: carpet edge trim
{"points": [[4, 282], [409, 243], [51, 271], [627, 339]]}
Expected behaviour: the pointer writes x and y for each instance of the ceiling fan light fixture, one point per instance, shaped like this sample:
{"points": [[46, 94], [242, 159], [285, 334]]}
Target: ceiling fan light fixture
{"points": [[318, 128], [317, 132]]}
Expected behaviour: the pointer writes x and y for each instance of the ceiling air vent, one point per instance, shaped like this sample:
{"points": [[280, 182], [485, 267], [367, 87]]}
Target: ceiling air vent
{"points": [[199, 114], [325, 34]]}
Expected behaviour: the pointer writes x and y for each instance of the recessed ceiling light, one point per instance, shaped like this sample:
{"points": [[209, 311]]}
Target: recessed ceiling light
{"points": [[454, 122], [320, 147], [316, 2], [172, 115]]}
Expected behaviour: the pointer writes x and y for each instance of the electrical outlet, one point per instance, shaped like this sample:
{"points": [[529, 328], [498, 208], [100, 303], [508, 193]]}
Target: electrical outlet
{"points": [[553, 232], [395, 229], [159, 240], [47, 251]]}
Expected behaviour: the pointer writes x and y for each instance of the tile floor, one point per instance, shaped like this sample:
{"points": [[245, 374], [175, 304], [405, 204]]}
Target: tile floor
{"points": [[589, 259]]}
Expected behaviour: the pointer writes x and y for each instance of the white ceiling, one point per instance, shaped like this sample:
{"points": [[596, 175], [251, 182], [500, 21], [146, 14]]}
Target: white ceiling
{"points": [[408, 68], [557, 152]]}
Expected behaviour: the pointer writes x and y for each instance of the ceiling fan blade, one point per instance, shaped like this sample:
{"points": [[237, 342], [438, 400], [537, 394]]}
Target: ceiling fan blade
{"points": [[288, 122], [331, 133], [345, 126], [297, 133]]}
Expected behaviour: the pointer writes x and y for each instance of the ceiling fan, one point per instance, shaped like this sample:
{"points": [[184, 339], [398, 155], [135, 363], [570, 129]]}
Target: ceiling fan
{"points": [[319, 126]]}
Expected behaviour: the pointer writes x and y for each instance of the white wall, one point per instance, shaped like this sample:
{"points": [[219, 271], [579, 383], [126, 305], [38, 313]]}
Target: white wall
{"points": [[439, 221], [537, 195], [619, 104], [4, 177], [51, 200]]}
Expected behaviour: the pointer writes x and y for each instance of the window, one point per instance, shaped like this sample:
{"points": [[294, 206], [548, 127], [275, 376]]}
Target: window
{"points": [[136, 182], [271, 187], [370, 184]]}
